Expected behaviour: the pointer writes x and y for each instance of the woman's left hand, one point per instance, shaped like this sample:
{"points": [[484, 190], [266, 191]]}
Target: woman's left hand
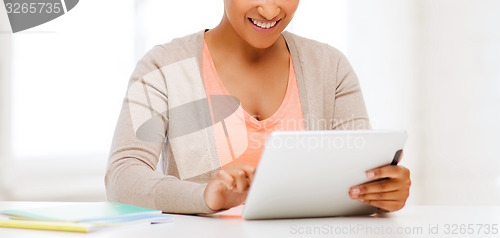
{"points": [[389, 194]]}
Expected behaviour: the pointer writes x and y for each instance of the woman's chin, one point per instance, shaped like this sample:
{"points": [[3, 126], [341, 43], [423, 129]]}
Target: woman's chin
{"points": [[262, 43]]}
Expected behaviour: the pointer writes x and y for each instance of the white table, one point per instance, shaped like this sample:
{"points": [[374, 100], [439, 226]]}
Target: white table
{"points": [[412, 221]]}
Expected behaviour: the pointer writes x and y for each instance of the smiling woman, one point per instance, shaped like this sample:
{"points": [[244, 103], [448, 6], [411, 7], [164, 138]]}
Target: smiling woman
{"points": [[272, 77]]}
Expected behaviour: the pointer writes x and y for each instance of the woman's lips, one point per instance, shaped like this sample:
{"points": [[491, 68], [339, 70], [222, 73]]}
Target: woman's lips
{"points": [[265, 26]]}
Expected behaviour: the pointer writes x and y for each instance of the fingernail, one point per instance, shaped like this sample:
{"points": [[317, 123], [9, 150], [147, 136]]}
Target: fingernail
{"points": [[370, 174], [355, 190], [361, 200]]}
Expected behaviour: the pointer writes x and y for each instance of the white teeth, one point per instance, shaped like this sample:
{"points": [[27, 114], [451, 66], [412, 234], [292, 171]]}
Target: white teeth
{"points": [[264, 25]]}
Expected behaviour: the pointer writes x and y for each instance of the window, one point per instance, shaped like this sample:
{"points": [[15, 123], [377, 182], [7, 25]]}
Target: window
{"points": [[67, 81]]}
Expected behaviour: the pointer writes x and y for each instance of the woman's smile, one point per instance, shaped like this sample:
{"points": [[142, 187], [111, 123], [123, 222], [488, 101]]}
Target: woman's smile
{"points": [[263, 25]]}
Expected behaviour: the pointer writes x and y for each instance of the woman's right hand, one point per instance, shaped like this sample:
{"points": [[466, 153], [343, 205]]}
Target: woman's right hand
{"points": [[229, 187]]}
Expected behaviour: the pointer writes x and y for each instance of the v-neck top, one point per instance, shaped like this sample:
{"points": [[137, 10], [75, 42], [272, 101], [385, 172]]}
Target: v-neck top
{"points": [[240, 138]]}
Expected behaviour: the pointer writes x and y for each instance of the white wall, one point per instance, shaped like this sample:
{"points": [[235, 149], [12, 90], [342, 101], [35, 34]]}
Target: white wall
{"points": [[461, 101]]}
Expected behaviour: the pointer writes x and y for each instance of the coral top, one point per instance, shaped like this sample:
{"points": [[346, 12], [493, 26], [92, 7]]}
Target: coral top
{"points": [[240, 137]]}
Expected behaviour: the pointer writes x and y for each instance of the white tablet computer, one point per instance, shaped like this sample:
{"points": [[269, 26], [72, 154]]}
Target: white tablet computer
{"points": [[309, 173]]}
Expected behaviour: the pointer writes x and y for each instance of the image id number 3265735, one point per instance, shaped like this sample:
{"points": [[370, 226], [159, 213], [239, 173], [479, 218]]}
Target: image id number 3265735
{"points": [[33, 8]]}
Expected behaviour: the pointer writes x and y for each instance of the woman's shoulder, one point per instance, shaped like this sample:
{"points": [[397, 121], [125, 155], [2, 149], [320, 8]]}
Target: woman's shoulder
{"points": [[313, 51], [307, 44], [185, 43], [178, 49]]}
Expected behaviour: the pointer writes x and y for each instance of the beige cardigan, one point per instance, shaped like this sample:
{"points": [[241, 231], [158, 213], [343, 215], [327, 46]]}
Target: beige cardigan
{"points": [[165, 114]]}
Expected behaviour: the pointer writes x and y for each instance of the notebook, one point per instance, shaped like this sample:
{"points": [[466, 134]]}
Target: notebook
{"points": [[81, 217]]}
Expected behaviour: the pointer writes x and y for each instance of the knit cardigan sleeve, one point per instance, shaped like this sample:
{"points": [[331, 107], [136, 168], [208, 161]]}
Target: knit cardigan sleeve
{"points": [[349, 109]]}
